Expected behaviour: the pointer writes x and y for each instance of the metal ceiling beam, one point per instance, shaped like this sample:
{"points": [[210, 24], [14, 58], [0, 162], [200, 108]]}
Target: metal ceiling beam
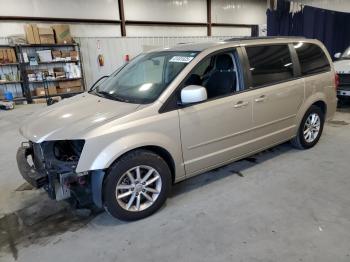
{"points": [[122, 17], [209, 17]]}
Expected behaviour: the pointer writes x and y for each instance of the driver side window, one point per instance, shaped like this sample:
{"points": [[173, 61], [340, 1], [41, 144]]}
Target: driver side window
{"points": [[217, 73]]}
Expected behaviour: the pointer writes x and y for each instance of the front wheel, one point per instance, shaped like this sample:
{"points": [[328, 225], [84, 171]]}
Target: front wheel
{"points": [[310, 129], [137, 185]]}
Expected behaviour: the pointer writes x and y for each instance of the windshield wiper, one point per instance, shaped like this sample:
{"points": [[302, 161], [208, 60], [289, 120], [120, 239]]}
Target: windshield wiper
{"points": [[110, 96]]}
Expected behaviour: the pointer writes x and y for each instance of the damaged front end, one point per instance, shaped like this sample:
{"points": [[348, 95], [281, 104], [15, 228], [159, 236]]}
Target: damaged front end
{"points": [[52, 165]]}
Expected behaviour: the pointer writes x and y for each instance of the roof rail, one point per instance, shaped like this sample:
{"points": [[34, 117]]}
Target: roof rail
{"points": [[261, 37]]}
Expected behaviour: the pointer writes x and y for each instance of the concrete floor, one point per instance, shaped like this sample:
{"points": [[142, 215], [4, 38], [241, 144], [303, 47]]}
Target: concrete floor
{"points": [[280, 205]]}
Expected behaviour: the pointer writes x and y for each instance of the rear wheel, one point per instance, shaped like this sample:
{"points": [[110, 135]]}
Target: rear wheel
{"points": [[310, 129], [137, 185]]}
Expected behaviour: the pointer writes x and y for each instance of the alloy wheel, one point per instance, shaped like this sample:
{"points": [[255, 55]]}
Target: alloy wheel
{"points": [[312, 127], [138, 188]]}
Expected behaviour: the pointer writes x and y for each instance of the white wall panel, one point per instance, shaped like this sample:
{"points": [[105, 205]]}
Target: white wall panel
{"points": [[89, 9], [3, 41], [337, 5], [114, 49], [239, 11], [142, 31], [77, 30], [89, 30], [166, 10], [233, 31]]}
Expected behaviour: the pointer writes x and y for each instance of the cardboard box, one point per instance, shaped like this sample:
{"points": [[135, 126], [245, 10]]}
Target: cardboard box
{"points": [[39, 100], [32, 34], [73, 89], [56, 54], [62, 34], [46, 39], [45, 31], [5, 58], [66, 84], [65, 54], [74, 55], [13, 54], [43, 100], [60, 74], [40, 91], [9, 55], [36, 33], [29, 34], [46, 35]]}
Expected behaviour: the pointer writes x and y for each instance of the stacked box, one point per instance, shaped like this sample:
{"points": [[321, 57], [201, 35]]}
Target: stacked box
{"points": [[43, 100], [62, 34], [40, 91], [74, 55], [65, 54], [56, 54], [7, 56], [73, 86], [32, 34], [46, 36]]}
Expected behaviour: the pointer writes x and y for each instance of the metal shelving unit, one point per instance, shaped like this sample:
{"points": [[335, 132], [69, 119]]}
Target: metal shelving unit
{"points": [[57, 80], [13, 68], [30, 86]]}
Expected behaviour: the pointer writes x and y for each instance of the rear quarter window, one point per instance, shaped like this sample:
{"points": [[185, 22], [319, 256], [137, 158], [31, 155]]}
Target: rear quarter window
{"points": [[312, 59]]}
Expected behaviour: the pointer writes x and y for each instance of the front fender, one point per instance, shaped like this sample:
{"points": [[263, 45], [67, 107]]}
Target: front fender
{"points": [[105, 157]]}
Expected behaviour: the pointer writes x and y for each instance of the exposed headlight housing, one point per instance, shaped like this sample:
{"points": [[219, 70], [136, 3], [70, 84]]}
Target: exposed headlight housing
{"points": [[68, 150], [62, 155]]}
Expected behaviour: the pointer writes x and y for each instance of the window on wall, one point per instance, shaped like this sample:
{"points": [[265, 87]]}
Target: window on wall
{"points": [[269, 64], [312, 58]]}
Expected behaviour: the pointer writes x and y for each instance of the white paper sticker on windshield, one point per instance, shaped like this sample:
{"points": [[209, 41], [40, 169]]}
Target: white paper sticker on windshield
{"points": [[181, 59]]}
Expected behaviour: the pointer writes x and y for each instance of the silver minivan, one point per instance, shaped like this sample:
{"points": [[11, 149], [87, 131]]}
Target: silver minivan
{"points": [[173, 113]]}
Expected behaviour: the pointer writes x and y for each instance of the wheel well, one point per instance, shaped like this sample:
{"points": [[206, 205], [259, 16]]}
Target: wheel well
{"points": [[163, 153], [322, 105]]}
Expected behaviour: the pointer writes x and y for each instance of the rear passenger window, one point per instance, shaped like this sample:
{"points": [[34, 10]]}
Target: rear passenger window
{"points": [[269, 64], [312, 58]]}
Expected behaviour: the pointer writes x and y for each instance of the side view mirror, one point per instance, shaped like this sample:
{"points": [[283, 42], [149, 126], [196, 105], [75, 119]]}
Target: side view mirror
{"points": [[193, 94], [100, 80], [337, 55]]}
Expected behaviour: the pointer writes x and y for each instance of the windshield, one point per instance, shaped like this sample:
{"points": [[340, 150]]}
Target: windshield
{"points": [[145, 77], [346, 54]]}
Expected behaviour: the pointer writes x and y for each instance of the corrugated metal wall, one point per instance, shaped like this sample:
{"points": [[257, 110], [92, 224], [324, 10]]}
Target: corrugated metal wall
{"points": [[115, 48]]}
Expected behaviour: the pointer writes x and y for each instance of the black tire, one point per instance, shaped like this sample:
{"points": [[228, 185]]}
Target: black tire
{"points": [[128, 161], [299, 141]]}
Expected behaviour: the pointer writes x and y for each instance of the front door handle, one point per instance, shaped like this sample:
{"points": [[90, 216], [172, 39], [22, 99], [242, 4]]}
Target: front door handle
{"points": [[260, 99], [241, 104]]}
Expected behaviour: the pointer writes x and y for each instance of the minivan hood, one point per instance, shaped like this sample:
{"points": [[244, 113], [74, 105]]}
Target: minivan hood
{"points": [[72, 117], [342, 66]]}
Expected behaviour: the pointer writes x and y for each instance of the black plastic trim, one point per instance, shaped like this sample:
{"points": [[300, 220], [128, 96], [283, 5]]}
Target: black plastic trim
{"points": [[29, 173]]}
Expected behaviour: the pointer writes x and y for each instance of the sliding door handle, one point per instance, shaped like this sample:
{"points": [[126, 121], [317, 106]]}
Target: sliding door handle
{"points": [[241, 104], [260, 99]]}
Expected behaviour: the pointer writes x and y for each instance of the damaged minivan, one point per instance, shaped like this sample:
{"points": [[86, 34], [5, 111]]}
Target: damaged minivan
{"points": [[173, 113]]}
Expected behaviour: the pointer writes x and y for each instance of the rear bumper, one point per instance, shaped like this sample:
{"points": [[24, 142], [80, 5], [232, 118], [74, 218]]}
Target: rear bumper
{"points": [[28, 172]]}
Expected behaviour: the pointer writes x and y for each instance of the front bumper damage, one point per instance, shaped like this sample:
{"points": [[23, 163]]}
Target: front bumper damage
{"points": [[28, 172], [44, 166]]}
